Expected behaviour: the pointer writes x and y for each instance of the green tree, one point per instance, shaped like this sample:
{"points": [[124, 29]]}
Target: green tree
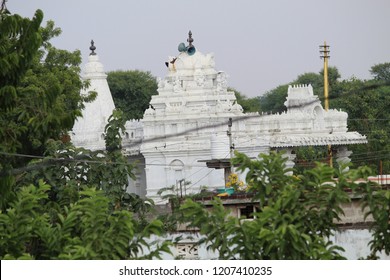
{"points": [[81, 230], [273, 100], [248, 104], [19, 41], [40, 91], [381, 71], [132, 91], [49, 94], [366, 103], [40, 87], [58, 201], [296, 214], [82, 211]]}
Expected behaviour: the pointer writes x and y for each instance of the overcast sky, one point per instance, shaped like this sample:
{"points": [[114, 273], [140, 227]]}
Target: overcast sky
{"points": [[259, 44]]}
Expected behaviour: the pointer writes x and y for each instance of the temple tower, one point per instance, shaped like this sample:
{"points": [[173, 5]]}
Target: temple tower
{"points": [[88, 130]]}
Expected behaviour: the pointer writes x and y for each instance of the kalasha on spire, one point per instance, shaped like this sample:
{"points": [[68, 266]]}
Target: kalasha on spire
{"points": [[92, 48]]}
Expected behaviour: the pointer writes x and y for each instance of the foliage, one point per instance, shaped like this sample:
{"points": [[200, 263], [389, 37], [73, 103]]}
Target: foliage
{"points": [[248, 104], [175, 197], [273, 100], [19, 41], [306, 157], [114, 130], [46, 99], [58, 201], [84, 229], [296, 214], [366, 103], [83, 207], [376, 203], [132, 91], [381, 71], [69, 169], [39, 92]]}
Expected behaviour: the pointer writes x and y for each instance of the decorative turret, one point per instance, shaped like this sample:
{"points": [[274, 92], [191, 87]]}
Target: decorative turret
{"points": [[88, 130], [301, 98]]}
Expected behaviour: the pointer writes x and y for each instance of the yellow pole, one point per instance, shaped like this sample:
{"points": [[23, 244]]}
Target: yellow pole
{"points": [[325, 55], [326, 82]]}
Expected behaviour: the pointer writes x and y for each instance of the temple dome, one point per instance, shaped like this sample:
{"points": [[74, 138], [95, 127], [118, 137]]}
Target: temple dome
{"points": [[186, 65]]}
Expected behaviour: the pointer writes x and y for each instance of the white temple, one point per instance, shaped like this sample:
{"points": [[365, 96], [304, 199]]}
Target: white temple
{"points": [[186, 125]]}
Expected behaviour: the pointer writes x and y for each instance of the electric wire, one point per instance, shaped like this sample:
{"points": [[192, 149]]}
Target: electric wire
{"points": [[207, 173], [186, 131]]}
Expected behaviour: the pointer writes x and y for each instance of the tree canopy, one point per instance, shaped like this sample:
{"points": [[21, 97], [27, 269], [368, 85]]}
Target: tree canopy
{"points": [[40, 97], [62, 202], [273, 100], [381, 72], [365, 101], [132, 91], [247, 104], [295, 215], [58, 201]]}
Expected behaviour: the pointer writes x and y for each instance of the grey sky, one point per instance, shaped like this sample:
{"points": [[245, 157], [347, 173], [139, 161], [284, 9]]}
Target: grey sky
{"points": [[259, 44]]}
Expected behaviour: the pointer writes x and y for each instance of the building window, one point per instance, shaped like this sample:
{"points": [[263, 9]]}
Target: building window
{"points": [[187, 251], [247, 212]]}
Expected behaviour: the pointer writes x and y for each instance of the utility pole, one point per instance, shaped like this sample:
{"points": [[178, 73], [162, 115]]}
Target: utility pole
{"points": [[324, 51], [231, 147]]}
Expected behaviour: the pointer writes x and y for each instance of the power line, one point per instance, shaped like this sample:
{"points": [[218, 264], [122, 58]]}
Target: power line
{"points": [[80, 160], [250, 116], [202, 178], [184, 132]]}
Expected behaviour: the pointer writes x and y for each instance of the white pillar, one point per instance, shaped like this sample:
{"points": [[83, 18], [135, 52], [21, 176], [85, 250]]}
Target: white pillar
{"points": [[342, 157], [290, 159]]}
